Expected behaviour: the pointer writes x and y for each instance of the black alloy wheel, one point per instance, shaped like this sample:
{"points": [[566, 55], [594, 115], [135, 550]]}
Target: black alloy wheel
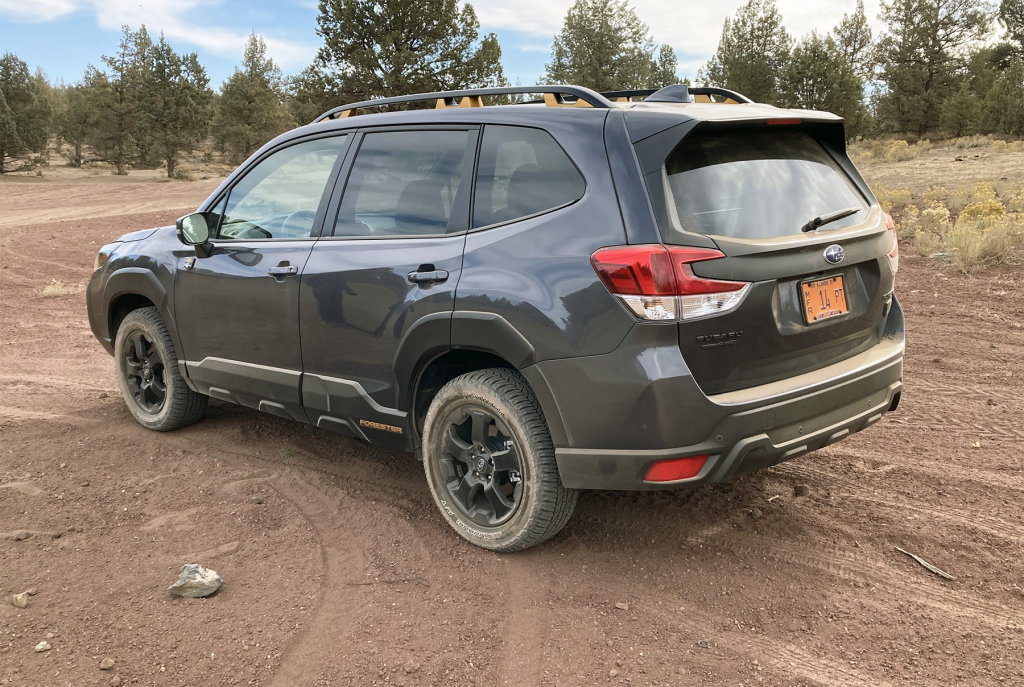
{"points": [[143, 369], [480, 465]]}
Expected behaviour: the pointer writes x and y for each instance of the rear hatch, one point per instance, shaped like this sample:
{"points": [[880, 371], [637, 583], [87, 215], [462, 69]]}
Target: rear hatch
{"points": [[791, 216]]}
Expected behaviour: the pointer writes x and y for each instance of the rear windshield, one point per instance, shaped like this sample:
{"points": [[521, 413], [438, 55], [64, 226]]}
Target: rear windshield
{"points": [[757, 183]]}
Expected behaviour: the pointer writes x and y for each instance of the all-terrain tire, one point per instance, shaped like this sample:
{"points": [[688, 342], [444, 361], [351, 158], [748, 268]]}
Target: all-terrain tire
{"points": [[181, 406], [544, 505]]}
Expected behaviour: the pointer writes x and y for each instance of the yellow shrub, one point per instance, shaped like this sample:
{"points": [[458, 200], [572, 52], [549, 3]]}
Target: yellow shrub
{"points": [[1015, 147], [1015, 203], [982, 211], [983, 192], [57, 288], [908, 222], [999, 145], [923, 146], [979, 245], [899, 151], [934, 219], [971, 142], [927, 244], [896, 198], [958, 200], [936, 194]]}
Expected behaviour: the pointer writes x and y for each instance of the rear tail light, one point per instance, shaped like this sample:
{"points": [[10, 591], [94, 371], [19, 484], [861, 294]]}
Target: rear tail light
{"points": [[675, 469], [656, 282], [894, 254]]}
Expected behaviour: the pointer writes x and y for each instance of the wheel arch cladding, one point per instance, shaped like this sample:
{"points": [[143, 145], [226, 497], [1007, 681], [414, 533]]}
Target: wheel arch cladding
{"points": [[131, 288]]}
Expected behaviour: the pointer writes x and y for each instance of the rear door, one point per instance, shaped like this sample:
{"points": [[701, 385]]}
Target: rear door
{"points": [[817, 296], [238, 307], [381, 282]]}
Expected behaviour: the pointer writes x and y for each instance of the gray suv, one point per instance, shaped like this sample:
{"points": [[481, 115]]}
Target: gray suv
{"points": [[579, 292]]}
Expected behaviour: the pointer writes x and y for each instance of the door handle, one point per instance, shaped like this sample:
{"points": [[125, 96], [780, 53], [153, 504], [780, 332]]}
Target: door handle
{"points": [[435, 276], [283, 270]]}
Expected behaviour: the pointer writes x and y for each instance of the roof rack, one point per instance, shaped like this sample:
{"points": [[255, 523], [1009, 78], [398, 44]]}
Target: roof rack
{"points": [[554, 96], [584, 97]]}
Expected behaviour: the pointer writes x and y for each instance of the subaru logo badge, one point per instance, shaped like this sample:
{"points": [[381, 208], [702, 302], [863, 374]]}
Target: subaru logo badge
{"points": [[835, 254]]}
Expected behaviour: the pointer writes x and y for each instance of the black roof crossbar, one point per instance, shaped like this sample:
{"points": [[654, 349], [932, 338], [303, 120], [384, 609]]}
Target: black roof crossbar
{"points": [[590, 97]]}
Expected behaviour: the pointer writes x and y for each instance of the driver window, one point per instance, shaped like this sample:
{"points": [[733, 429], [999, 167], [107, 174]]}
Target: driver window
{"points": [[278, 198]]}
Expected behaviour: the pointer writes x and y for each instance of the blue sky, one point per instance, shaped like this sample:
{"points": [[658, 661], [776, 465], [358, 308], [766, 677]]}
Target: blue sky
{"points": [[64, 36]]}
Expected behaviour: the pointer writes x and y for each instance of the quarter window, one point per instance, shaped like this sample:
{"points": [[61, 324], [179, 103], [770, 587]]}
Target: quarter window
{"points": [[522, 172], [404, 183], [279, 197]]}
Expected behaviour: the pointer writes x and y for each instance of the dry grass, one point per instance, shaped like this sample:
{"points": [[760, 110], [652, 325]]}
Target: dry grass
{"points": [[975, 246], [56, 288]]}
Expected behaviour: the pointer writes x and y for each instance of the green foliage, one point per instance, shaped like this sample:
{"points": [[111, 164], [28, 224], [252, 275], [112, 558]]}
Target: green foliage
{"points": [[382, 48], [25, 111], [818, 77], [603, 45], [1011, 16], [174, 101], [114, 94], [921, 52], [250, 110], [752, 52], [74, 117], [1003, 109], [961, 114], [853, 41]]}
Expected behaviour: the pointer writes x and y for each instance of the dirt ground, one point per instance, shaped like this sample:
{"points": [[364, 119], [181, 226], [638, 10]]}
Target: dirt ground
{"points": [[339, 571]]}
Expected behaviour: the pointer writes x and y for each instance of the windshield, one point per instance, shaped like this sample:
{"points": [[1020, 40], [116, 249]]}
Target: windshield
{"points": [[758, 183]]}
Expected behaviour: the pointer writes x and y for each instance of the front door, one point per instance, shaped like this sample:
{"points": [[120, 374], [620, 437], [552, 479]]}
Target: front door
{"points": [[240, 325], [387, 264]]}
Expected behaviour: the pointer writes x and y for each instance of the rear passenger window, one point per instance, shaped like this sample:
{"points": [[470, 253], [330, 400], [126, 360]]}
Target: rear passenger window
{"points": [[403, 183], [522, 172]]}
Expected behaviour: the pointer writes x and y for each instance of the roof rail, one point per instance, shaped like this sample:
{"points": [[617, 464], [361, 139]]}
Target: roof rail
{"points": [[553, 97], [681, 93]]}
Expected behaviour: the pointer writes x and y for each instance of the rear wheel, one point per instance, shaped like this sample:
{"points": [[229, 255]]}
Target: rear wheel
{"points": [[490, 463], [147, 373]]}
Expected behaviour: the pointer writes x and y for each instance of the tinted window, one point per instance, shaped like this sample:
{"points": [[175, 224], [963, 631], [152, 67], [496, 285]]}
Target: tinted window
{"points": [[757, 183], [403, 183], [522, 172], [278, 198]]}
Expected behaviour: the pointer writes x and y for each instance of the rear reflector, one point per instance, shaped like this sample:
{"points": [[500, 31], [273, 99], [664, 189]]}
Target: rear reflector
{"points": [[656, 282], [776, 122], [894, 254], [675, 469]]}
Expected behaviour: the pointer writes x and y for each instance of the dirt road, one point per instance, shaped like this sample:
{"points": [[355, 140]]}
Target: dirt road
{"points": [[339, 571]]}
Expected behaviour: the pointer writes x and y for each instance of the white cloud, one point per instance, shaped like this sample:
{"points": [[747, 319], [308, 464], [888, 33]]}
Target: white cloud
{"points": [[179, 20], [692, 28]]}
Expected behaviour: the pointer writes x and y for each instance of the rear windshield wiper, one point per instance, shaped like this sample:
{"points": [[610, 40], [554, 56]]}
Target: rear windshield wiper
{"points": [[830, 217]]}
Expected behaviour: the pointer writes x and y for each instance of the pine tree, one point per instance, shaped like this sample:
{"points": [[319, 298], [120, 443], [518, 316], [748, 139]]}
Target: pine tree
{"points": [[175, 101], [818, 77], [961, 114], [1011, 16], [752, 51], [853, 41], [115, 97], [381, 48], [250, 110], [75, 120], [603, 45], [920, 55], [1003, 108], [25, 114]]}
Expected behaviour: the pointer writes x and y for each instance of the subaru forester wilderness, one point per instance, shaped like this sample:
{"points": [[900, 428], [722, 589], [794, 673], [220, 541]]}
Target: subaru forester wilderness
{"points": [[582, 292]]}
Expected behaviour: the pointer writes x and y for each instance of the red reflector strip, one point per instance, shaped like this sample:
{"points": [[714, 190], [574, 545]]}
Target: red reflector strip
{"points": [[775, 122], [675, 469]]}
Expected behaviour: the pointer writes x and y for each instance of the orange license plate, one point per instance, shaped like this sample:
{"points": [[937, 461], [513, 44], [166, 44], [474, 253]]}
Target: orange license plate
{"points": [[824, 298]]}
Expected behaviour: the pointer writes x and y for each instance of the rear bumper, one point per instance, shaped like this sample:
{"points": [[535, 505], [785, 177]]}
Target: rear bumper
{"points": [[740, 431]]}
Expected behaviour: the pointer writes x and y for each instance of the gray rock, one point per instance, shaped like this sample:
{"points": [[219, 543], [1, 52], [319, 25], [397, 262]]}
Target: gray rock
{"points": [[756, 513], [43, 646], [411, 666], [196, 581], [22, 535], [622, 606], [20, 600], [115, 681], [107, 663]]}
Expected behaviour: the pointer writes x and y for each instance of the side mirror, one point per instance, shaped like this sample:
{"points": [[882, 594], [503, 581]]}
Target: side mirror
{"points": [[193, 229]]}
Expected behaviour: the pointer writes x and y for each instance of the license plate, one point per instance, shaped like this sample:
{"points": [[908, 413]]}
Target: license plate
{"points": [[824, 298]]}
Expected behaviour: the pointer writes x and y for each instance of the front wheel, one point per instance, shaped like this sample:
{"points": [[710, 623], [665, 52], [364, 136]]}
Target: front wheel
{"points": [[147, 373], [490, 463]]}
